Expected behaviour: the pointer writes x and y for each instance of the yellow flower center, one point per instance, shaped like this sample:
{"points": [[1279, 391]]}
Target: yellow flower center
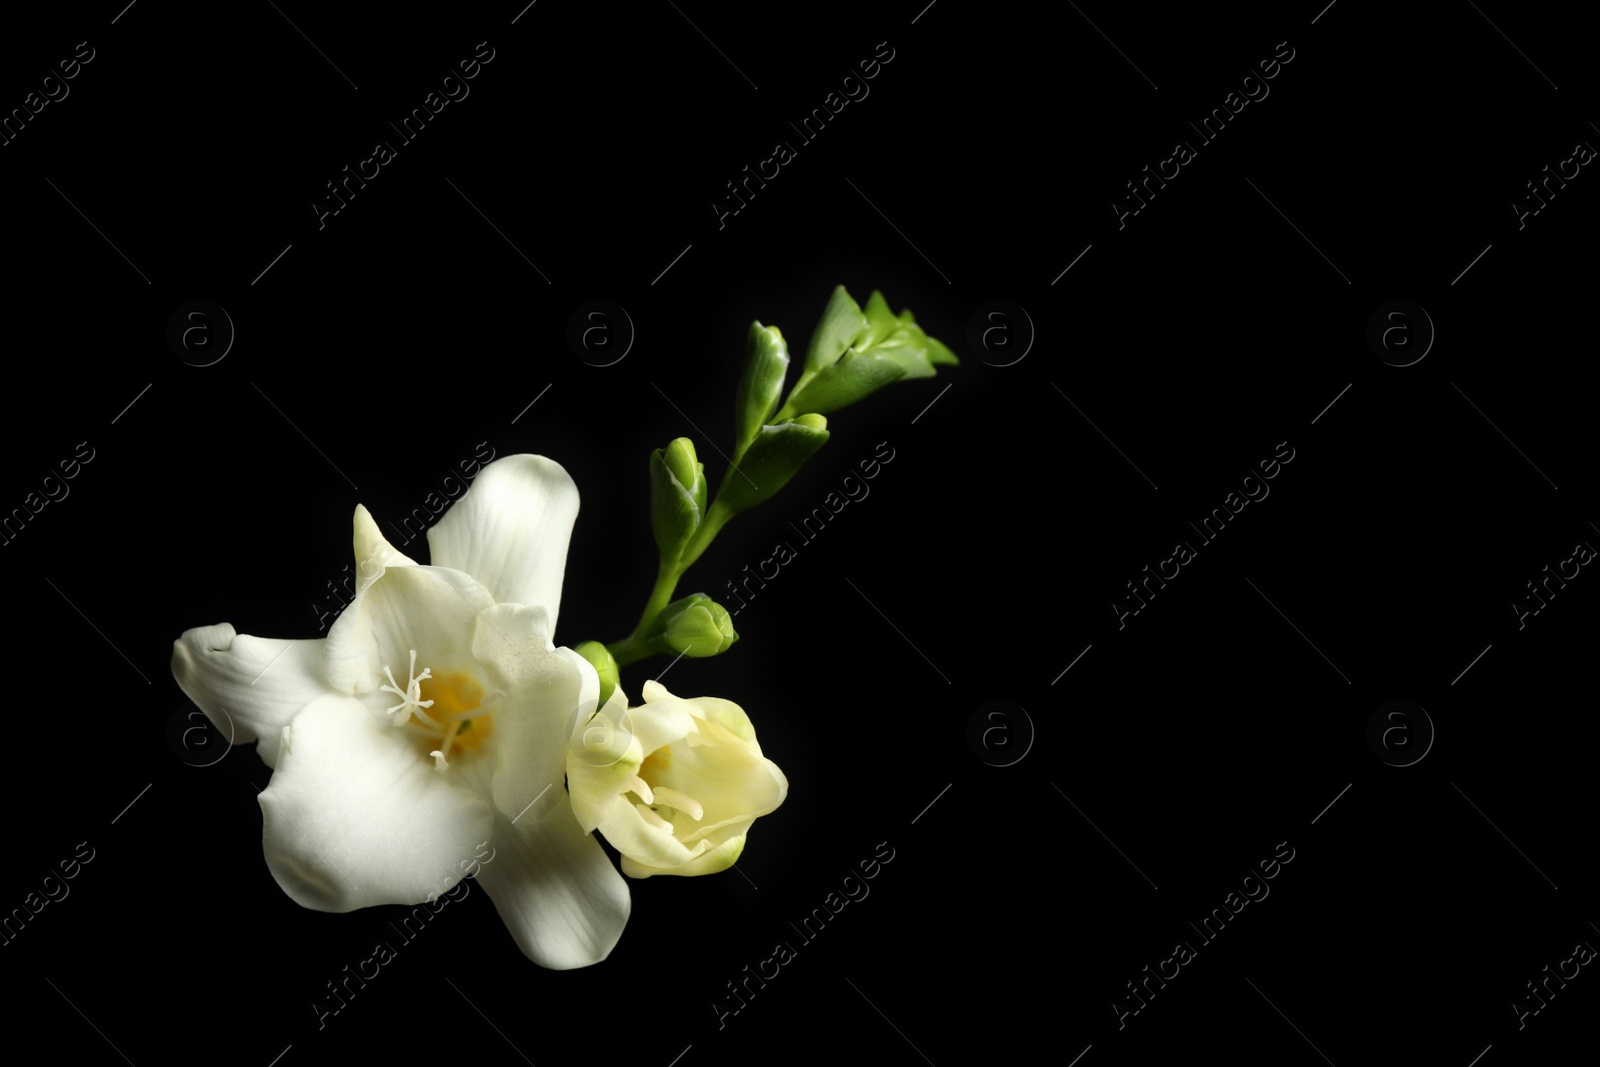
{"points": [[656, 764], [447, 711], [458, 706]]}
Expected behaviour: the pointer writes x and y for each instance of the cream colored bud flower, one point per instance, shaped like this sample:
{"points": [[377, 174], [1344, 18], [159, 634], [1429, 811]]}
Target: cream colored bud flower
{"points": [[673, 784]]}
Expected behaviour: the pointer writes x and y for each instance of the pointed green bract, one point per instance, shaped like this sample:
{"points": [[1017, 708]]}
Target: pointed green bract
{"points": [[907, 346], [847, 381], [884, 348], [880, 321], [677, 496], [939, 353], [771, 460], [760, 385], [841, 324]]}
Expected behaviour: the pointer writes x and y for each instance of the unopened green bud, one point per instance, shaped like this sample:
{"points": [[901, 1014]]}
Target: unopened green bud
{"points": [[880, 321], [696, 626], [677, 496], [600, 659], [685, 467], [774, 457], [760, 386], [856, 353], [841, 325]]}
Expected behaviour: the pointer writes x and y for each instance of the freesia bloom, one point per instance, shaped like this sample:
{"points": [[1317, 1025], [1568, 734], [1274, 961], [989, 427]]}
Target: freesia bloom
{"points": [[434, 717], [674, 784]]}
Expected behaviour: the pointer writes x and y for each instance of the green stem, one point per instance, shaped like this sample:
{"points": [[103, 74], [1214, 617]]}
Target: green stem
{"points": [[717, 517], [666, 581], [636, 646], [630, 650], [787, 410]]}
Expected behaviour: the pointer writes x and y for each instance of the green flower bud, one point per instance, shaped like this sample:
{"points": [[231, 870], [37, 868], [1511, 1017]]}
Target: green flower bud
{"points": [[760, 386], [841, 324], [880, 321], [884, 349], [696, 626], [685, 466], [774, 457], [851, 379], [677, 496], [606, 667]]}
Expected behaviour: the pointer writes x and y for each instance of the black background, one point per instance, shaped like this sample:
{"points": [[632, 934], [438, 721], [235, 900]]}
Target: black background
{"points": [[1176, 752]]}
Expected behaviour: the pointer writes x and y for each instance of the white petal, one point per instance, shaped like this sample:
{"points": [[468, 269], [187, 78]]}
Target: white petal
{"points": [[374, 553], [589, 691], [645, 837], [724, 713], [555, 889], [430, 609], [662, 723], [606, 751], [682, 801], [709, 862], [722, 773], [512, 642], [356, 815], [249, 687], [510, 531], [541, 690]]}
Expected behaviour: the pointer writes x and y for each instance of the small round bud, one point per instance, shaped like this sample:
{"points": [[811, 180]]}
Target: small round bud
{"points": [[698, 626], [606, 667]]}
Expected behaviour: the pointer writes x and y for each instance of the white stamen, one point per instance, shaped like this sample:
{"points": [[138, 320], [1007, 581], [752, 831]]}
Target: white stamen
{"points": [[682, 801], [640, 786], [411, 702], [439, 763], [449, 739]]}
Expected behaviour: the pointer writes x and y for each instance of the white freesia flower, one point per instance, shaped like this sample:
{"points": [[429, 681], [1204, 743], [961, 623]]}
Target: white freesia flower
{"points": [[674, 784], [433, 717]]}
